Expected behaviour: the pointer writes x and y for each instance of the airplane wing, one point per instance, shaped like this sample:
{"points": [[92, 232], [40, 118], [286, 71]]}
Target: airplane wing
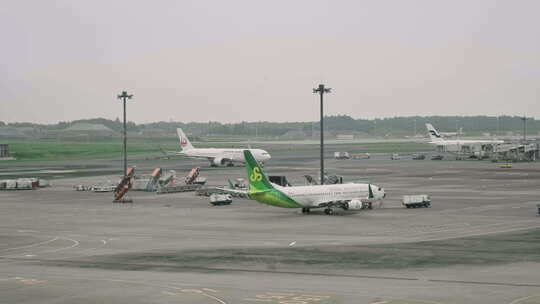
{"points": [[353, 203], [234, 191], [170, 153]]}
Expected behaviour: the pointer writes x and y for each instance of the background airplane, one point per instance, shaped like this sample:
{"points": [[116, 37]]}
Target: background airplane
{"points": [[471, 147], [452, 134], [217, 156]]}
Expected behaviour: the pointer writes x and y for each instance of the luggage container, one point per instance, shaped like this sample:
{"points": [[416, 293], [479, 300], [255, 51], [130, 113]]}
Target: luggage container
{"points": [[42, 183], [103, 188], [418, 156], [25, 184], [200, 181], [11, 184]]}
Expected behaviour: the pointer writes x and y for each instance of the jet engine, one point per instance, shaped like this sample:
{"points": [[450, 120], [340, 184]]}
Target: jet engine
{"points": [[354, 204], [218, 161]]}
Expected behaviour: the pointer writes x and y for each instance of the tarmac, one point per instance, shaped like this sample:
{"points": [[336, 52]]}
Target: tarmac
{"points": [[58, 245]]}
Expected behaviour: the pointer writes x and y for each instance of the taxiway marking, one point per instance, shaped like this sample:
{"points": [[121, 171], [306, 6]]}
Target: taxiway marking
{"points": [[516, 301], [32, 245]]}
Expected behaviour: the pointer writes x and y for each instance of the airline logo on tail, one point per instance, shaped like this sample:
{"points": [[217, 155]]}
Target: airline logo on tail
{"points": [[184, 140], [256, 175], [433, 134], [257, 180], [260, 188]]}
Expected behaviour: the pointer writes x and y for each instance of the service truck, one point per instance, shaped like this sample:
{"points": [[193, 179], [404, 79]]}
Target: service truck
{"points": [[416, 201]]}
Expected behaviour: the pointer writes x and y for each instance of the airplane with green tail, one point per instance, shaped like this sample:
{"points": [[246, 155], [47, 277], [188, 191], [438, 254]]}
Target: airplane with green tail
{"points": [[349, 197]]}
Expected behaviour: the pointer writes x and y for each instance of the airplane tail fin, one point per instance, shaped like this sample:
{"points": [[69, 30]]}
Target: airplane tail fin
{"points": [[185, 144], [256, 177], [433, 134]]}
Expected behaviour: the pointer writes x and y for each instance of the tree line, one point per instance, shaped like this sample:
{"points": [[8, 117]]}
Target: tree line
{"points": [[410, 125]]}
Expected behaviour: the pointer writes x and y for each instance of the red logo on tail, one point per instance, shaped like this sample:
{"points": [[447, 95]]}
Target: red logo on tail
{"points": [[183, 142]]}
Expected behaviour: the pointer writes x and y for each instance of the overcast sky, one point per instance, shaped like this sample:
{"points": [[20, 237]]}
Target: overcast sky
{"points": [[259, 60]]}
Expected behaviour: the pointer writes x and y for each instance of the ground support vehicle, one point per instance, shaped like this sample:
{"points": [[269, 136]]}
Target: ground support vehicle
{"points": [[220, 199], [416, 201]]}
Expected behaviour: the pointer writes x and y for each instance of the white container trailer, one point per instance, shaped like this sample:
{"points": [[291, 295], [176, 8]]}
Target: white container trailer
{"points": [[42, 183], [416, 201], [11, 184], [341, 155], [25, 184]]}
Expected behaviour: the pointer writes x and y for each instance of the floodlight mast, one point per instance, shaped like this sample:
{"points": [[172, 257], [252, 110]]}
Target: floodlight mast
{"points": [[124, 97], [524, 118], [321, 90]]}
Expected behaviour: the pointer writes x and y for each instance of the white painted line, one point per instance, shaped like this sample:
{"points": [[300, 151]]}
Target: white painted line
{"points": [[214, 298], [31, 245], [516, 301], [75, 244], [169, 293], [209, 289]]}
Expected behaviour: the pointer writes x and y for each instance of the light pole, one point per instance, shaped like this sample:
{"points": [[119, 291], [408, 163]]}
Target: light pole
{"points": [[498, 125], [524, 118], [124, 97], [321, 90]]}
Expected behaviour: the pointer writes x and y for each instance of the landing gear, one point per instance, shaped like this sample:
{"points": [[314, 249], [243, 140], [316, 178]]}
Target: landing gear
{"points": [[305, 210], [329, 211], [230, 165]]}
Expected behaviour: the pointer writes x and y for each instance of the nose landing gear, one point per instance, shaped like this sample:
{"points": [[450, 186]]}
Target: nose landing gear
{"points": [[305, 210], [329, 211]]}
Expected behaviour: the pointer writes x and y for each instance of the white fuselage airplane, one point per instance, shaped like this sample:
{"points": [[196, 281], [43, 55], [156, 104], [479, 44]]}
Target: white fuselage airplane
{"points": [[452, 134], [217, 156], [350, 197], [470, 146]]}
